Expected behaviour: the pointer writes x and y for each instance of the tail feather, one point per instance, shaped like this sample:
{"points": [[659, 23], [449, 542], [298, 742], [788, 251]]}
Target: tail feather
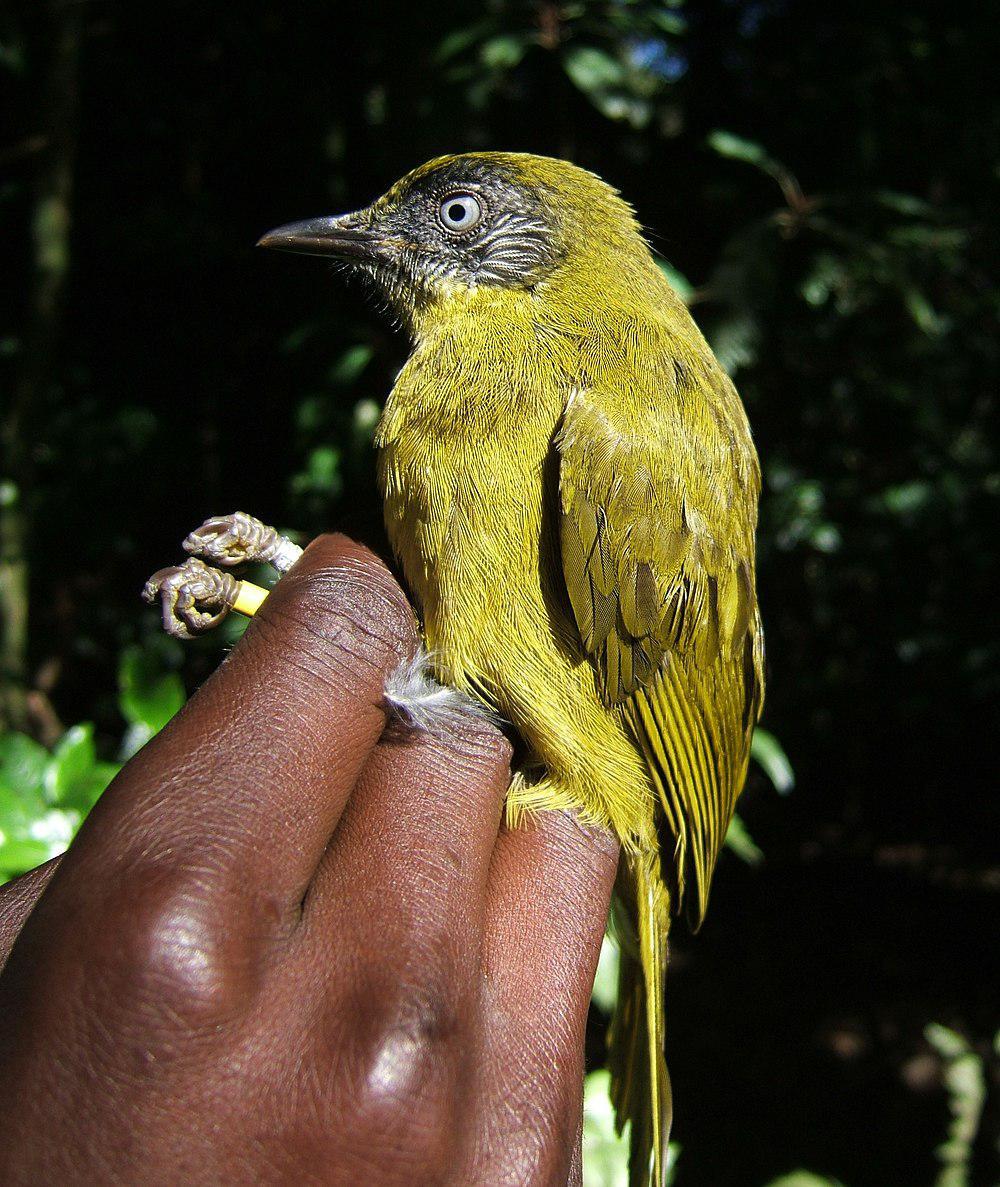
{"points": [[640, 1085]]}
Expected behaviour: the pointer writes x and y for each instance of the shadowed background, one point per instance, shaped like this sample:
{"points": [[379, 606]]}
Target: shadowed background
{"points": [[821, 182]]}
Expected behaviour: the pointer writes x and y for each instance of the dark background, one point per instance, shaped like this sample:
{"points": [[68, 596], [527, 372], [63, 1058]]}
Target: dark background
{"points": [[823, 179]]}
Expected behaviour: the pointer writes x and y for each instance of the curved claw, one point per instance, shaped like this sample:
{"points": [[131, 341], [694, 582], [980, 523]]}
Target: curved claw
{"points": [[194, 597]]}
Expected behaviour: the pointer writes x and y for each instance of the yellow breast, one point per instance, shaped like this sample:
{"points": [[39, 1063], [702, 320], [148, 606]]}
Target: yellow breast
{"points": [[470, 480]]}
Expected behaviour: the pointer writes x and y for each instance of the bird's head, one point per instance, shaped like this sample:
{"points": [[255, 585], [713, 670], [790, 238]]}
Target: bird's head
{"points": [[479, 224]]}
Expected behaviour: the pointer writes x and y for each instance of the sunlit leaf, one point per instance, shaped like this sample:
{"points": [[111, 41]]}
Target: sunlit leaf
{"points": [[19, 806], [605, 1154], [18, 855], [737, 148], [605, 992], [768, 752], [592, 69], [71, 765], [965, 1081], [742, 844]]}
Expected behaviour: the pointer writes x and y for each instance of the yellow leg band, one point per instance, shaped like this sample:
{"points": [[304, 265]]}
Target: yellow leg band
{"points": [[250, 598]]}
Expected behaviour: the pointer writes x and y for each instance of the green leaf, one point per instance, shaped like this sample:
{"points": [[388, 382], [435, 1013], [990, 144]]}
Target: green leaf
{"points": [[736, 148], [20, 808], [605, 992], [591, 69], [502, 53], [736, 341], [351, 363], [365, 418], [22, 762], [17, 856], [907, 497], [312, 413], [71, 767], [742, 844], [924, 313], [605, 1154], [74, 779], [825, 538], [148, 696], [948, 1043], [295, 339], [671, 23], [965, 1082], [321, 474], [768, 752]]}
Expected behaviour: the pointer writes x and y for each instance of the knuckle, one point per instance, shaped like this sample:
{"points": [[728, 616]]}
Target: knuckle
{"points": [[399, 1068], [410, 1043], [177, 952], [410, 1088]]}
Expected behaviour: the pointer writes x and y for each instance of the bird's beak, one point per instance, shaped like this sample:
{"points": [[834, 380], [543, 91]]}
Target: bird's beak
{"points": [[345, 236]]}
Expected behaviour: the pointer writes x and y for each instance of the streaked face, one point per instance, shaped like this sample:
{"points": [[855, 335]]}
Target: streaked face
{"points": [[463, 222]]}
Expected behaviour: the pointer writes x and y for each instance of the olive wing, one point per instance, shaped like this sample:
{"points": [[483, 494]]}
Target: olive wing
{"points": [[658, 501]]}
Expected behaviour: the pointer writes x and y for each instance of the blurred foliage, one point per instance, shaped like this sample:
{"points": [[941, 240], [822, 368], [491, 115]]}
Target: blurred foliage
{"points": [[45, 795], [820, 185], [965, 1080], [605, 1153]]}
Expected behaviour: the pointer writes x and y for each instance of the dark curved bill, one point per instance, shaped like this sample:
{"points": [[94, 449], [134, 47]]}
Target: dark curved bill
{"points": [[334, 236]]}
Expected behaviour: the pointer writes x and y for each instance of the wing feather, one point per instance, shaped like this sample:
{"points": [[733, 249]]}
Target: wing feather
{"points": [[658, 491]]}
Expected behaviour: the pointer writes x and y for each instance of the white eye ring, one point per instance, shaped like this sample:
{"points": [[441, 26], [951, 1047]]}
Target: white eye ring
{"points": [[460, 212]]}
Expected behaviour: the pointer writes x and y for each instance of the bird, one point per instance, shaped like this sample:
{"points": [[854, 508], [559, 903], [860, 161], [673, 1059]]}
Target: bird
{"points": [[571, 488]]}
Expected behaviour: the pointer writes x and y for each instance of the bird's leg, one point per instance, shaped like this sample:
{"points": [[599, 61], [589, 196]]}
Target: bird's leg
{"points": [[196, 597]]}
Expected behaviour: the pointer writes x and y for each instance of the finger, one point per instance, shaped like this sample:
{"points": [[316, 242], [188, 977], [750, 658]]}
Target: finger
{"points": [[406, 872], [243, 789], [550, 886], [17, 901]]}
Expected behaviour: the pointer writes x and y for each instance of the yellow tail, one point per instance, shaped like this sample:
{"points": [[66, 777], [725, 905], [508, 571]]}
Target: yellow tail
{"points": [[640, 1085]]}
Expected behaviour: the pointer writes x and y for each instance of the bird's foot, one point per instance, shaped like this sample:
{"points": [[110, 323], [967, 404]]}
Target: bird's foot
{"points": [[196, 597], [240, 539]]}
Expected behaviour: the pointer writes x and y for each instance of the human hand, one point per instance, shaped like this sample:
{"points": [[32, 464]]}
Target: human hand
{"points": [[291, 946]]}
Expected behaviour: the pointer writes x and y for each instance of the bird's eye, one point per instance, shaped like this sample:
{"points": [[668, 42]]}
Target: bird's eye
{"points": [[460, 212]]}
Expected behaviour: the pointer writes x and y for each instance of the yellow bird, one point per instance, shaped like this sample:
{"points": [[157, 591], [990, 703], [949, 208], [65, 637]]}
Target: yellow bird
{"points": [[571, 489]]}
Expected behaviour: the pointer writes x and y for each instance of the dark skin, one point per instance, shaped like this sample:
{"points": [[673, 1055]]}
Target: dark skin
{"points": [[291, 945]]}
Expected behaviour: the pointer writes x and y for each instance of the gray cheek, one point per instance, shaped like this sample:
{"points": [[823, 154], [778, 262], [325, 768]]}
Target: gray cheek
{"points": [[514, 250]]}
